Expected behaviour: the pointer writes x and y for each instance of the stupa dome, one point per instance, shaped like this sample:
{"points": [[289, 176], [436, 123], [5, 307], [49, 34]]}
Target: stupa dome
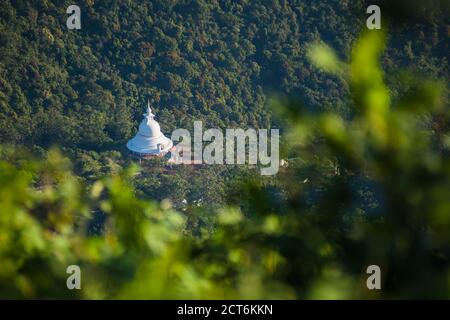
{"points": [[150, 141], [150, 129]]}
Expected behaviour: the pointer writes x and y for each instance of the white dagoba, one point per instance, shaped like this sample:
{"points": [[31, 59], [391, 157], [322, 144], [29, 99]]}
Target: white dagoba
{"points": [[149, 141]]}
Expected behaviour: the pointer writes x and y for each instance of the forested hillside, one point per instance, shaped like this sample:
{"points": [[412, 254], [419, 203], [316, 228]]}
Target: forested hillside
{"points": [[372, 190], [216, 61], [211, 60], [365, 132]]}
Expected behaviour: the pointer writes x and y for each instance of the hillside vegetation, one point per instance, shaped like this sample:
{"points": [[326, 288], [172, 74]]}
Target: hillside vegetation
{"points": [[365, 127]]}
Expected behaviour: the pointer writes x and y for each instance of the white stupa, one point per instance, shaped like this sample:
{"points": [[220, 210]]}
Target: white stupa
{"points": [[149, 141]]}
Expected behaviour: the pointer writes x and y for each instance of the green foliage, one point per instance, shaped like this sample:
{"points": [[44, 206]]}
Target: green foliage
{"points": [[215, 61], [372, 189]]}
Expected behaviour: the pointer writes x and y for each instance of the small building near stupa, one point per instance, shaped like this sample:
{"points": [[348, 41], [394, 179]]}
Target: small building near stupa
{"points": [[149, 141]]}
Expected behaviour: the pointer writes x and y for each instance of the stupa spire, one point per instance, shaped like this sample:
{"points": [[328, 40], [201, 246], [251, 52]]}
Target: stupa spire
{"points": [[149, 114]]}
